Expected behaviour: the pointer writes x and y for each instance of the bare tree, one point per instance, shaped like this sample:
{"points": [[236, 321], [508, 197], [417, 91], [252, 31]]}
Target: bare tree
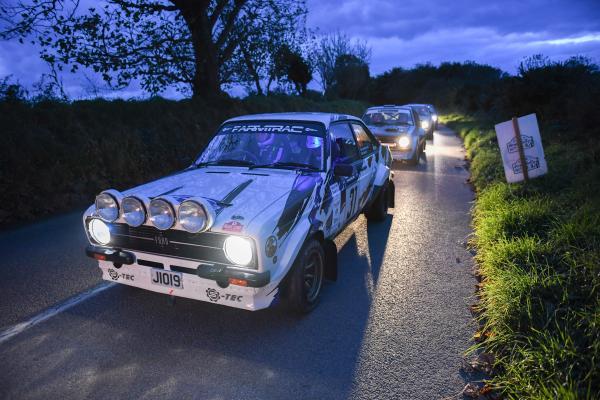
{"points": [[327, 50], [158, 42]]}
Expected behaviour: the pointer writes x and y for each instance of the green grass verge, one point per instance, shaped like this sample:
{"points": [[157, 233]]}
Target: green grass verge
{"points": [[538, 251]]}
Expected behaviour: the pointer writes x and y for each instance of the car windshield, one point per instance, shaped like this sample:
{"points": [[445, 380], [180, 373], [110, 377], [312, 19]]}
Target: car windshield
{"points": [[288, 144], [423, 111], [395, 117]]}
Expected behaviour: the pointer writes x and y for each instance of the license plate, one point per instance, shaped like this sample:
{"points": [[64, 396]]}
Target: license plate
{"points": [[162, 277]]}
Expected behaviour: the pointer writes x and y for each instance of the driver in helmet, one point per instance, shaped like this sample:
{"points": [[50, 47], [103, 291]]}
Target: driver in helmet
{"points": [[268, 150]]}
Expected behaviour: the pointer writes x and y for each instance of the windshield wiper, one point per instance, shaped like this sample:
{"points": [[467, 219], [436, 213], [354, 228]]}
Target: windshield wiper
{"points": [[242, 163], [286, 164]]}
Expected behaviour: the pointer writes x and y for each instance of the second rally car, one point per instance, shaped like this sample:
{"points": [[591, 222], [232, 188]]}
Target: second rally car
{"points": [[253, 219]]}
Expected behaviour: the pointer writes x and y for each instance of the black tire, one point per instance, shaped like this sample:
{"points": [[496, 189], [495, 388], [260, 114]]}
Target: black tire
{"points": [[379, 208], [305, 280], [414, 160]]}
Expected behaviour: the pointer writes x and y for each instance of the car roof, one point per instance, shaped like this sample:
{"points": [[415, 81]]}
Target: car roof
{"points": [[388, 107], [324, 118]]}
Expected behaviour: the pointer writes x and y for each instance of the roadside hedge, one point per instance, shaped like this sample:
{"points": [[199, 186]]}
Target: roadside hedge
{"points": [[538, 254], [55, 156]]}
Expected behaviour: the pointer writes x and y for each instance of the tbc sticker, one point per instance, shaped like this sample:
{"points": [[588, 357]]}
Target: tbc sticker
{"points": [[233, 226], [214, 296], [114, 275]]}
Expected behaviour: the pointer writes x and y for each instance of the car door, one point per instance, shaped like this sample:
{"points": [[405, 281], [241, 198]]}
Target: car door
{"points": [[344, 189], [367, 144]]}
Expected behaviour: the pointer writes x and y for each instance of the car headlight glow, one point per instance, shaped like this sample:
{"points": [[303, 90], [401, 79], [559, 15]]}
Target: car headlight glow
{"points": [[434, 117], [404, 141], [161, 213], [99, 231], [238, 250], [192, 216], [425, 124], [134, 212], [107, 207]]}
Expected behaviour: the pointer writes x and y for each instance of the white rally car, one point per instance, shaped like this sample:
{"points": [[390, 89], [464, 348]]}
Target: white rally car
{"points": [[399, 128], [253, 219]]}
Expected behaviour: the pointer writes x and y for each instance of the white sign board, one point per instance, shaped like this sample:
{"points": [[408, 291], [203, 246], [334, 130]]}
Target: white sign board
{"points": [[532, 148]]}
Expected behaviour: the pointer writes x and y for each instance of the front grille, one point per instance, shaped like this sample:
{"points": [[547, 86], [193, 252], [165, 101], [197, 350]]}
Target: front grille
{"points": [[205, 246]]}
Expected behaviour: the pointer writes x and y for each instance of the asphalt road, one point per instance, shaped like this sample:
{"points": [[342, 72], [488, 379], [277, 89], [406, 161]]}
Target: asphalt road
{"points": [[394, 326]]}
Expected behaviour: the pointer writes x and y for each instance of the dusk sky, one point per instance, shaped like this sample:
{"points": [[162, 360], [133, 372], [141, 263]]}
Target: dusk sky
{"points": [[405, 33]]}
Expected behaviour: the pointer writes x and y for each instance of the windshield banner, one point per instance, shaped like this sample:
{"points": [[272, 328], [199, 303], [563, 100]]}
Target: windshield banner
{"points": [[300, 128]]}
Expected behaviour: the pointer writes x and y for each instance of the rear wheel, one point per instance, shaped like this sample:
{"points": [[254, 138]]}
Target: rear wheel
{"points": [[378, 210], [306, 278]]}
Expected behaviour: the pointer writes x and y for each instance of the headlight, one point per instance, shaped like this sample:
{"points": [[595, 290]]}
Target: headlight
{"points": [[425, 124], [161, 213], [134, 212], [192, 216], [99, 231], [107, 207], [238, 250], [434, 117], [404, 141]]}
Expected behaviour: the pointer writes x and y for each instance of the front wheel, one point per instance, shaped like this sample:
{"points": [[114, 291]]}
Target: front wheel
{"points": [[306, 278]]}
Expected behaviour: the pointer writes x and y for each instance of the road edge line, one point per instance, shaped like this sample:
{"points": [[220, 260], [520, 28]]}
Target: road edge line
{"points": [[52, 311]]}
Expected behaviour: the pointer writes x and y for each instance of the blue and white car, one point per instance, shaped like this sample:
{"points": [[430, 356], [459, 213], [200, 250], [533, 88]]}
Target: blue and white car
{"points": [[399, 129], [253, 219], [426, 116]]}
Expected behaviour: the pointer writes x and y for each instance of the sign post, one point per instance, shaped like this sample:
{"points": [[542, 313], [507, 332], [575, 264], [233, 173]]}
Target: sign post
{"points": [[521, 149]]}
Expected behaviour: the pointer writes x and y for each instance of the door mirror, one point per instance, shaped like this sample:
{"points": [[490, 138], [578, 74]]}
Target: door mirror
{"points": [[343, 170]]}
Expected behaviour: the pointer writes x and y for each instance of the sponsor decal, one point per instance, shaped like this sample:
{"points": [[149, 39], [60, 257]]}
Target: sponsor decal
{"points": [[161, 241], [269, 128], [214, 296], [233, 226], [237, 217], [114, 275]]}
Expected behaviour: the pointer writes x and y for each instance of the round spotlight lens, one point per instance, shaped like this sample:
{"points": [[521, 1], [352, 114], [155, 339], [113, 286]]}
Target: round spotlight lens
{"points": [[238, 250], [192, 216], [133, 211], [162, 215], [404, 142], [425, 124], [99, 231], [107, 207]]}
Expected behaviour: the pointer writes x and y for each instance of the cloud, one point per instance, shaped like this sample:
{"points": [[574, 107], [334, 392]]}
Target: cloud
{"points": [[500, 33]]}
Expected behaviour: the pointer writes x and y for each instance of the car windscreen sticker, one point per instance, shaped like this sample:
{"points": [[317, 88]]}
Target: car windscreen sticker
{"points": [[300, 128]]}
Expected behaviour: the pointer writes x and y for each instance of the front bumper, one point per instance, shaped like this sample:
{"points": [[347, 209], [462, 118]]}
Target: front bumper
{"points": [[200, 281], [402, 154]]}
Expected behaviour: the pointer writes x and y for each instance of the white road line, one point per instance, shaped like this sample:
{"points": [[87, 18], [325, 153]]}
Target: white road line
{"points": [[52, 311]]}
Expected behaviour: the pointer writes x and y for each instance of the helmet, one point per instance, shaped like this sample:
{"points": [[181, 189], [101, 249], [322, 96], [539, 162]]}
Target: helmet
{"points": [[265, 138]]}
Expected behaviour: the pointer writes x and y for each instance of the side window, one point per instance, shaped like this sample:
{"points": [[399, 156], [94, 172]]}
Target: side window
{"points": [[365, 143], [417, 119], [343, 148]]}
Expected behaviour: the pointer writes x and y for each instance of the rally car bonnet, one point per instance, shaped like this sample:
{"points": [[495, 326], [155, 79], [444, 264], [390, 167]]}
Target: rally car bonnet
{"points": [[234, 193]]}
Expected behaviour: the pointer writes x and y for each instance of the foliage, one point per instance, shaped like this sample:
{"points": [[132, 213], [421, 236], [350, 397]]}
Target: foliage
{"points": [[195, 46], [292, 68], [350, 78]]}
